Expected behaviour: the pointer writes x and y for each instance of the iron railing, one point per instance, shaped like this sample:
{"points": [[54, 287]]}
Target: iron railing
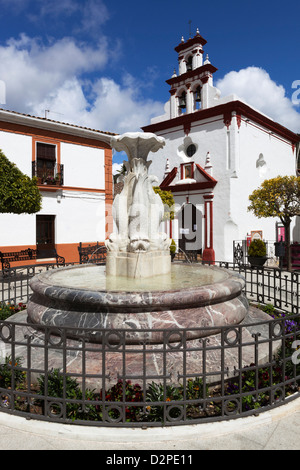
{"points": [[240, 371], [49, 176], [92, 253]]}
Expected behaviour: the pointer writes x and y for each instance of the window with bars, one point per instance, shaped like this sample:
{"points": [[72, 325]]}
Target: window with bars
{"points": [[45, 167], [45, 160]]}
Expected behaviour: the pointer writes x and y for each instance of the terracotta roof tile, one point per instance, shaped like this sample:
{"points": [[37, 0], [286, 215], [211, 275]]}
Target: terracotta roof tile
{"points": [[57, 122]]}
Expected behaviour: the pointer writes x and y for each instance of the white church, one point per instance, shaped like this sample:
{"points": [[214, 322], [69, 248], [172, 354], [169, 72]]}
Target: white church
{"points": [[218, 150]]}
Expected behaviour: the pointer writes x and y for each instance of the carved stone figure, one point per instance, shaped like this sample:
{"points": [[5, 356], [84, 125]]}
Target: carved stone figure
{"points": [[138, 210]]}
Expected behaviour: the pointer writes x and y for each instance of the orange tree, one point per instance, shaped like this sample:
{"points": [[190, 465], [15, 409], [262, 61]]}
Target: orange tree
{"points": [[19, 193], [278, 197]]}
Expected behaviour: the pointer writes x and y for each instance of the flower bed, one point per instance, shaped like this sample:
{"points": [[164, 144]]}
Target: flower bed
{"points": [[60, 396], [9, 309]]}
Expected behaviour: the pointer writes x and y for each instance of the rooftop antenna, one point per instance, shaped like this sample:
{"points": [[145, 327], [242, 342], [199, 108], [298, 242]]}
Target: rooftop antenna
{"points": [[49, 111], [190, 28]]}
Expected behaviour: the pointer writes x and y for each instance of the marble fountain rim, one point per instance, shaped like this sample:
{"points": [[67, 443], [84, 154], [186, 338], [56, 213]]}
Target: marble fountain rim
{"points": [[223, 290]]}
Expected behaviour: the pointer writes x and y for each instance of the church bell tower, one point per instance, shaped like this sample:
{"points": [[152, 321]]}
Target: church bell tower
{"points": [[191, 88]]}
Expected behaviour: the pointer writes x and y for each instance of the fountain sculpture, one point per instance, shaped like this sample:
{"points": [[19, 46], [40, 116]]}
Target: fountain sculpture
{"points": [[138, 249], [138, 288]]}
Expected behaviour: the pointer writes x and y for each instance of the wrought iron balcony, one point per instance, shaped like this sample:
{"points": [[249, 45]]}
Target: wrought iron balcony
{"points": [[52, 175]]}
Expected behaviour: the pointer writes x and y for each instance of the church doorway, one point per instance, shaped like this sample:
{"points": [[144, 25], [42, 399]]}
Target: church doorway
{"points": [[190, 228]]}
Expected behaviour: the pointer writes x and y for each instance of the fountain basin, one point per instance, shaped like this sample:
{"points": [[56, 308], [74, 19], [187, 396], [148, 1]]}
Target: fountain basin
{"points": [[191, 296]]}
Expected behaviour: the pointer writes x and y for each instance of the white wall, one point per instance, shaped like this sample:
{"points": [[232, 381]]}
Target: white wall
{"points": [[256, 145], [17, 229], [83, 166], [79, 216], [234, 156], [18, 149]]}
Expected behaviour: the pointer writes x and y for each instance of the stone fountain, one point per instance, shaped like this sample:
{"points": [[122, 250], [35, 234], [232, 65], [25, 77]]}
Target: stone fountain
{"points": [[138, 288], [138, 249]]}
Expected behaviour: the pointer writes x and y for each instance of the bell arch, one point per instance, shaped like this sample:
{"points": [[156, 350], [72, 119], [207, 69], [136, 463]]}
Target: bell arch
{"points": [[196, 91]]}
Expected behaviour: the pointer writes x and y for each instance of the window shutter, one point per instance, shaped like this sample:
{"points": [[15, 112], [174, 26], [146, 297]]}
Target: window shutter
{"points": [[46, 152]]}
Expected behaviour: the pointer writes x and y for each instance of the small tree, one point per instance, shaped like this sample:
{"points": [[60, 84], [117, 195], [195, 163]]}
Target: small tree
{"points": [[278, 197], [19, 193], [168, 201]]}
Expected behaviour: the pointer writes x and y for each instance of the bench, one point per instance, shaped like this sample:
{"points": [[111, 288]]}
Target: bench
{"points": [[93, 253], [28, 254]]}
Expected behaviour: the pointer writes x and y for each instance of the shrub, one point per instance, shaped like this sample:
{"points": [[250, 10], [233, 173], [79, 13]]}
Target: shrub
{"points": [[8, 372], [18, 192], [257, 248], [58, 387], [172, 247]]}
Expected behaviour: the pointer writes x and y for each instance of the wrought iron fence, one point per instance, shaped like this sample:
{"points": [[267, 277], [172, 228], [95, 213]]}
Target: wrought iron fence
{"points": [[240, 251], [52, 176], [239, 371]]}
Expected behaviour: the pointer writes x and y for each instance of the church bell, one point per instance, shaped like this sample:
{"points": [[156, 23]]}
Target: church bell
{"points": [[182, 101], [198, 95]]}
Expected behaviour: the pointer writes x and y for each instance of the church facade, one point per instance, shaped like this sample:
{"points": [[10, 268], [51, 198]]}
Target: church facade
{"points": [[218, 150]]}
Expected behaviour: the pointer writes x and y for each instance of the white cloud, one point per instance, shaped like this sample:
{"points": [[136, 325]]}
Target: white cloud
{"points": [[116, 167], [255, 86], [32, 70], [53, 77]]}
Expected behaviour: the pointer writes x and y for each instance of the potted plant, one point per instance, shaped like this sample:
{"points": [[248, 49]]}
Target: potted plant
{"points": [[172, 249], [257, 253]]}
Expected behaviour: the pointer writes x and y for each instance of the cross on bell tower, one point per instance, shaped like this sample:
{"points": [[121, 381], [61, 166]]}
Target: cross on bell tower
{"points": [[190, 88]]}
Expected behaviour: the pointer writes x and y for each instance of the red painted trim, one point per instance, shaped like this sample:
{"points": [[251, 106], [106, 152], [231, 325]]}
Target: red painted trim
{"points": [[203, 69], [187, 128], [205, 174], [234, 106], [227, 119], [198, 39], [179, 188], [208, 252], [50, 141], [169, 178], [182, 165], [210, 182], [47, 135]]}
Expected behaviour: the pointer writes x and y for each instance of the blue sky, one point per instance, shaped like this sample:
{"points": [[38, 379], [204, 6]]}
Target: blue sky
{"points": [[103, 64]]}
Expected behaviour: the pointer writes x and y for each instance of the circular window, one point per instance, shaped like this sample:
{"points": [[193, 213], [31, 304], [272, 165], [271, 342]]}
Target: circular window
{"points": [[191, 149]]}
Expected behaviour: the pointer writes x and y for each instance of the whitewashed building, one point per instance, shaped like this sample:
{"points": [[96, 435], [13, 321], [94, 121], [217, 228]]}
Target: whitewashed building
{"points": [[218, 150], [74, 169]]}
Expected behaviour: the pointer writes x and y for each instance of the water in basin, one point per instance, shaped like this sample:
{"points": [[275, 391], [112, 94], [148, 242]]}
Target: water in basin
{"points": [[94, 278]]}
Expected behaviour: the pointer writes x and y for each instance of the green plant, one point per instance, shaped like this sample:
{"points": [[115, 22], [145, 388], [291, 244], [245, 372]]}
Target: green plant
{"points": [[168, 202], [257, 248], [269, 309], [172, 247], [155, 393], [131, 393], [55, 385], [278, 197], [7, 309], [252, 381], [11, 375], [18, 192]]}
